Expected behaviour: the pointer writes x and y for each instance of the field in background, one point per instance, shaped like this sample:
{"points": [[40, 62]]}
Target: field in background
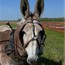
{"points": [[14, 24], [54, 44], [56, 26]]}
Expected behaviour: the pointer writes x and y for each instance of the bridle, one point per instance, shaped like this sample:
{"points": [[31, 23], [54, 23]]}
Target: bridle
{"points": [[35, 37], [24, 46]]}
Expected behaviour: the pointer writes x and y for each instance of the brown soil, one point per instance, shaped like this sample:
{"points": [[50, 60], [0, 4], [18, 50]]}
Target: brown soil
{"points": [[56, 26]]}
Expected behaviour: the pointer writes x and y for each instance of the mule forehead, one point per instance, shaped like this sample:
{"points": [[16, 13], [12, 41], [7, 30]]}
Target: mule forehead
{"points": [[29, 26]]}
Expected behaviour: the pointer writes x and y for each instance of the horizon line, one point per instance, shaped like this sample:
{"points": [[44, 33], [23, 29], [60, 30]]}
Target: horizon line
{"points": [[39, 18]]}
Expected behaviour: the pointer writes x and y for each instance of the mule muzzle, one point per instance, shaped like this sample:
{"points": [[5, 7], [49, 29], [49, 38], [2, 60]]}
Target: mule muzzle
{"points": [[32, 60]]}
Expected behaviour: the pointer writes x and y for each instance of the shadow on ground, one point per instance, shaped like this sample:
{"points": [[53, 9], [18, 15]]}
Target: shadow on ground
{"points": [[45, 61]]}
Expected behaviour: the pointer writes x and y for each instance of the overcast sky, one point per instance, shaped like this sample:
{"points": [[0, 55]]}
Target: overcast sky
{"points": [[10, 9]]}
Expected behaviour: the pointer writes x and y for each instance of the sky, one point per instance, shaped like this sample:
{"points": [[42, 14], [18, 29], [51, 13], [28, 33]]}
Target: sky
{"points": [[10, 9]]}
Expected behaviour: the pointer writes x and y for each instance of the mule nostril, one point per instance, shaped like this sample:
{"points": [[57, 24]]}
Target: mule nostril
{"points": [[26, 55], [32, 61], [29, 60]]}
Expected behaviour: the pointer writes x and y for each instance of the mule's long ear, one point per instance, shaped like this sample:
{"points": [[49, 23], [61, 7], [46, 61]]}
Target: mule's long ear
{"points": [[39, 8], [24, 6]]}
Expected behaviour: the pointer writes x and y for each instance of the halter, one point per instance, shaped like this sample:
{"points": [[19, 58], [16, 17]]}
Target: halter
{"points": [[24, 46]]}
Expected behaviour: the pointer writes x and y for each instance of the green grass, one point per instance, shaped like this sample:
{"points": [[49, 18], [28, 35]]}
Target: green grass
{"points": [[14, 25], [53, 50]]}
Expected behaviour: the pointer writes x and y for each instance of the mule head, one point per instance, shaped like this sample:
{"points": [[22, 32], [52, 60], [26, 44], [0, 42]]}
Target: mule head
{"points": [[32, 34]]}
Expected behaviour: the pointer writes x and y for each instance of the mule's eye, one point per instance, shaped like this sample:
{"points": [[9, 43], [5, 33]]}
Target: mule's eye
{"points": [[41, 36], [21, 34]]}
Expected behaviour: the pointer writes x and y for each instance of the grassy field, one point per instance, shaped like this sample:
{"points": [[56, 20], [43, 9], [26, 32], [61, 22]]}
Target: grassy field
{"points": [[53, 51]]}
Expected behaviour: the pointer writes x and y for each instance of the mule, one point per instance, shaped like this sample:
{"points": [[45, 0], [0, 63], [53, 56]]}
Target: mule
{"points": [[4, 39], [29, 37]]}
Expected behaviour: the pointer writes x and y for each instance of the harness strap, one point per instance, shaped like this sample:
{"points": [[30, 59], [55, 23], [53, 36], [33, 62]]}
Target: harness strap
{"points": [[28, 43], [2, 51], [4, 41]]}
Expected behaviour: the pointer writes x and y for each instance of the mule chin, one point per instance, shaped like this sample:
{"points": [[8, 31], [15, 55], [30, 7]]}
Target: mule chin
{"points": [[35, 63]]}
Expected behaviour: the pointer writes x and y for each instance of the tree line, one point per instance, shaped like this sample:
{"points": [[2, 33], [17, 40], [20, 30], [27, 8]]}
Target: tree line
{"points": [[52, 19]]}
